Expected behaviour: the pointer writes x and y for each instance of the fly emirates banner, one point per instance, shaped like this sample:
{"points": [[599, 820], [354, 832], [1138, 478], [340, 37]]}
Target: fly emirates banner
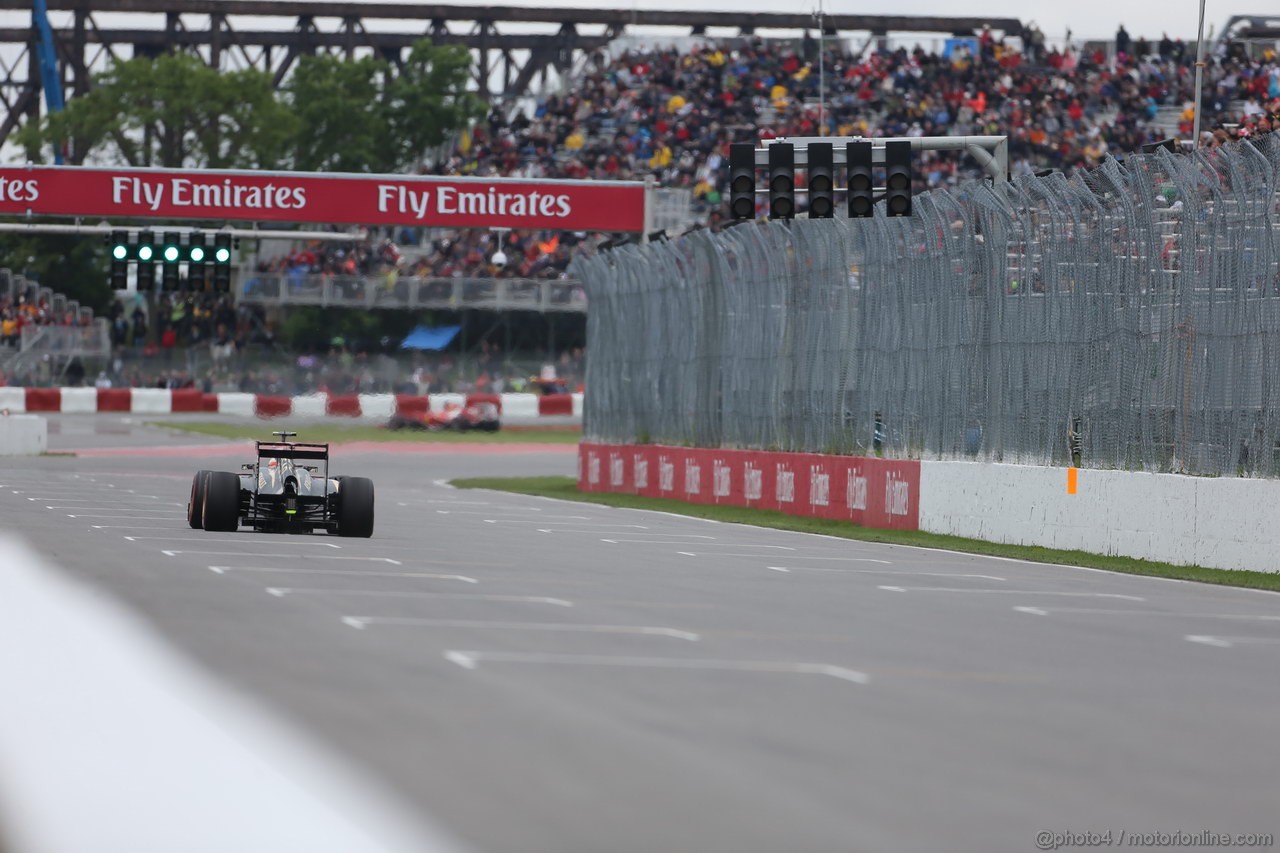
{"points": [[323, 198]]}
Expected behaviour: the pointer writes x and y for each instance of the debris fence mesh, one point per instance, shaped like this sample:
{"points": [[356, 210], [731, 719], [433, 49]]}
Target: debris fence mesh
{"points": [[1127, 318]]}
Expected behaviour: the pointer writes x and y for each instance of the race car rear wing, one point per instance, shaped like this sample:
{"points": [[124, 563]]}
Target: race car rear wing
{"points": [[285, 450]]}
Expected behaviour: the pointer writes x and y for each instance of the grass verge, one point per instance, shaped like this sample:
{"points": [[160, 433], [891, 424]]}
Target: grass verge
{"points": [[565, 488], [337, 434]]}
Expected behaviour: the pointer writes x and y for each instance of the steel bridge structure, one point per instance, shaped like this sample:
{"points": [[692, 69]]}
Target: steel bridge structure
{"points": [[514, 48]]}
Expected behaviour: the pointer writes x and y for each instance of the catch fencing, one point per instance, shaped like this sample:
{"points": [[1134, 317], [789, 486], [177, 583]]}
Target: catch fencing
{"points": [[1126, 318]]}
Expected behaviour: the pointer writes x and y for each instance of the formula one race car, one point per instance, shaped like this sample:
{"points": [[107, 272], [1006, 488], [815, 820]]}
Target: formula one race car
{"points": [[281, 495], [481, 416]]}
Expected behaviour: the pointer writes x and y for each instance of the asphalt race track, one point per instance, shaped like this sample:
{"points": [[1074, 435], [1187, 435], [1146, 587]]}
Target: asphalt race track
{"points": [[568, 678]]}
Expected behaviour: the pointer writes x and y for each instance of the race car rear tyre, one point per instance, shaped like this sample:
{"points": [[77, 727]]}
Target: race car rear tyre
{"points": [[355, 507], [195, 506], [221, 501]]}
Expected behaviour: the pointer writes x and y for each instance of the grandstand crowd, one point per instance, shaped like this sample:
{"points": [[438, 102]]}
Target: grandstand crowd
{"points": [[16, 313], [670, 114]]}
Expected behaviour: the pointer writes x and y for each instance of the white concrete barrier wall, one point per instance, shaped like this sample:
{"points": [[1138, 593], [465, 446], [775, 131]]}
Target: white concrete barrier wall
{"points": [[1224, 523], [23, 435], [377, 407], [310, 405], [79, 400], [236, 403], [519, 405], [13, 399], [151, 401]]}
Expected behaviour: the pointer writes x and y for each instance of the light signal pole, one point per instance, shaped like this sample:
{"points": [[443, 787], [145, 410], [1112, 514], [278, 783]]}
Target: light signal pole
{"points": [[822, 70]]}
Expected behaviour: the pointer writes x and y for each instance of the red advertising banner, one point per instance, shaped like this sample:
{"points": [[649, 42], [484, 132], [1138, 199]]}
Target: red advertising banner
{"points": [[867, 491], [309, 197]]}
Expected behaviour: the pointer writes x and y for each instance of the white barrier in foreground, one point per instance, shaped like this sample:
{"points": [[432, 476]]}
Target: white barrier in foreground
{"points": [[23, 435], [1215, 522], [109, 741]]}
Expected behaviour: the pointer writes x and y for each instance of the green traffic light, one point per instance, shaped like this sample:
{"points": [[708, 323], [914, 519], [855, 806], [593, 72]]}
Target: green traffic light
{"points": [[197, 253], [171, 253], [222, 255], [145, 253], [120, 252]]}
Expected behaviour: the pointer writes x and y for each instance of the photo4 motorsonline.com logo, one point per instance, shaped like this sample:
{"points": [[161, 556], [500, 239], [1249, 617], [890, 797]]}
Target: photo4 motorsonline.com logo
{"points": [[1049, 840]]}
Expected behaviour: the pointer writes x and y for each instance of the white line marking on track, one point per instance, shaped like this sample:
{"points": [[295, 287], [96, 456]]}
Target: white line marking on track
{"points": [[703, 545], [498, 510], [542, 520], [1206, 640], [360, 622], [809, 558], [285, 556], [882, 572], [282, 591], [85, 499], [726, 544], [207, 539], [1013, 592], [471, 659], [132, 517], [462, 659], [363, 573], [152, 508], [545, 522], [637, 533], [490, 509], [1228, 642], [1034, 611], [624, 532], [175, 528], [1101, 611]]}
